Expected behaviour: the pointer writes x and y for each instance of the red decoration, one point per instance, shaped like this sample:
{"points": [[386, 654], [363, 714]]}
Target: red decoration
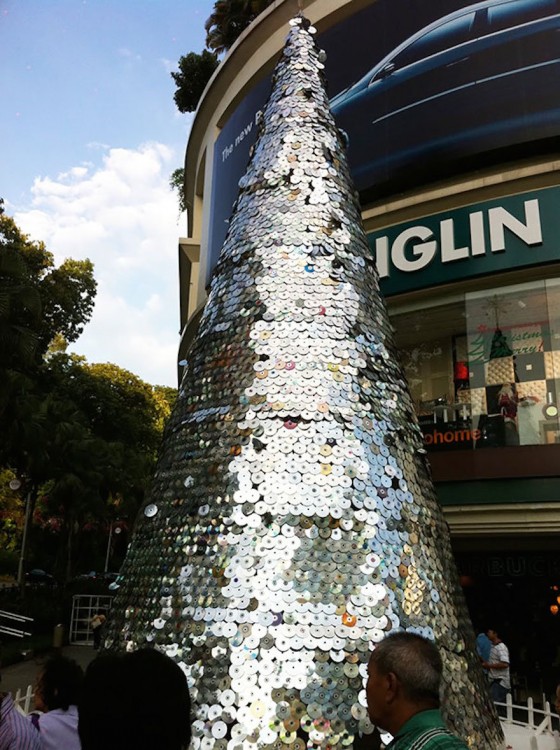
{"points": [[461, 371]]}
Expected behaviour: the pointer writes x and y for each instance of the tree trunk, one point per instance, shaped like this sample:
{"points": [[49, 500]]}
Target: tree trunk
{"points": [[69, 549]]}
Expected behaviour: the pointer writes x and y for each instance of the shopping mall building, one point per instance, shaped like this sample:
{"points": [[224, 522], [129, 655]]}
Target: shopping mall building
{"points": [[452, 113]]}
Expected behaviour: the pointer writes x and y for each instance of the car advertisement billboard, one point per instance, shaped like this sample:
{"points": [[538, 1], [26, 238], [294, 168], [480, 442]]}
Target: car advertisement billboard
{"points": [[423, 91]]}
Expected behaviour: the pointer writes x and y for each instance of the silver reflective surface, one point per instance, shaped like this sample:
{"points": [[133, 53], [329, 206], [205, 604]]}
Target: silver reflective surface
{"points": [[293, 522]]}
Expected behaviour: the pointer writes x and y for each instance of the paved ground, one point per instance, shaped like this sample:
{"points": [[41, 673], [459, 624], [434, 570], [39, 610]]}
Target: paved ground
{"points": [[23, 674]]}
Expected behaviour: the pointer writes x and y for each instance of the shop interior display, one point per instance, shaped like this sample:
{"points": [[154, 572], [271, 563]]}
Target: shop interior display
{"points": [[495, 383]]}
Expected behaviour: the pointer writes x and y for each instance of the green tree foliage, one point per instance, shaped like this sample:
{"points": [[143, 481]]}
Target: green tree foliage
{"points": [[165, 398], [229, 19], [68, 294], [78, 462], [82, 437], [226, 22], [20, 311], [38, 301], [176, 183], [11, 512], [195, 70], [105, 426], [121, 410]]}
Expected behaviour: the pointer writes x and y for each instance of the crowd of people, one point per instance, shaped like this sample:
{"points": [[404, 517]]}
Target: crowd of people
{"points": [[131, 701], [140, 700]]}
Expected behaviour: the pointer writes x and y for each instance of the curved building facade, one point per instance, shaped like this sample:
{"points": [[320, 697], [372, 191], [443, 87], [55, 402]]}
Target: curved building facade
{"points": [[452, 115]]}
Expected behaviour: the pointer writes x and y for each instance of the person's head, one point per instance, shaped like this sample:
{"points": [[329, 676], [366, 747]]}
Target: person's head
{"points": [[134, 701], [59, 684], [404, 675], [493, 636]]}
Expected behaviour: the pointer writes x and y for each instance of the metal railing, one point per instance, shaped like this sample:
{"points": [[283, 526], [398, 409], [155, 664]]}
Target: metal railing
{"points": [[8, 629]]}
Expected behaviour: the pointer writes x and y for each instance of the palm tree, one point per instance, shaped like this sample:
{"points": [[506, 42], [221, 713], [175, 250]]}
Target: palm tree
{"points": [[229, 18]]}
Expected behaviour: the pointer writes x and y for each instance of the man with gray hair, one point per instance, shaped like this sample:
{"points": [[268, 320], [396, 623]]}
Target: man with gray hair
{"points": [[404, 675]]}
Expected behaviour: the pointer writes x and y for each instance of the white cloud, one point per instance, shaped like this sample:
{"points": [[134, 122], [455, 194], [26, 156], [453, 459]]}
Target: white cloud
{"points": [[128, 54], [75, 172], [124, 217], [97, 146], [170, 66]]}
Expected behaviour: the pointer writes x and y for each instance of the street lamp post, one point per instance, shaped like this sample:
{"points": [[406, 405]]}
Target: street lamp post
{"points": [[117, 530], [15, 485]]}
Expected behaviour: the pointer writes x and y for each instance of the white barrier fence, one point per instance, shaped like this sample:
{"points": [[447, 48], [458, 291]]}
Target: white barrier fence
{"points": [[23, 700], [529, 728]]}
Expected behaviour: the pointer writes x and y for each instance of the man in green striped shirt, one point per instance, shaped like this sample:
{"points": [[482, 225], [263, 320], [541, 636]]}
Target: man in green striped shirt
{"points": [[404, 675]]}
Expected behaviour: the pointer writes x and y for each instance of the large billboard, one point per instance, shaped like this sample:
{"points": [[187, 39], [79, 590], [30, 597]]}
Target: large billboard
{"points": [[423, 91]]}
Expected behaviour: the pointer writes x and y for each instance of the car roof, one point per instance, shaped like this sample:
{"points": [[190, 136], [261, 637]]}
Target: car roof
{"points": [[473, 8]]}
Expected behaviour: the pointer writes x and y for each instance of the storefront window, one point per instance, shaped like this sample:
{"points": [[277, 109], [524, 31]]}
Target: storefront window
{"points": [[484, 371]]}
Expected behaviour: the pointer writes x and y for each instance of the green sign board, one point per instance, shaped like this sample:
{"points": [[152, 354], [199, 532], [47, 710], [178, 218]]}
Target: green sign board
{"points": [[483, 238]]}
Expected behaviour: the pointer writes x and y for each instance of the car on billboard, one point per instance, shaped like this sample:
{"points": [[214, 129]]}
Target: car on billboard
{"points": [[478, 79]]}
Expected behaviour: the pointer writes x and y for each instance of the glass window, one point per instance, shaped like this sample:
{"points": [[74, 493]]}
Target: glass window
{"points": [[444, 37], [484, 372], [508, 15], [509, 352], [431, 342]]}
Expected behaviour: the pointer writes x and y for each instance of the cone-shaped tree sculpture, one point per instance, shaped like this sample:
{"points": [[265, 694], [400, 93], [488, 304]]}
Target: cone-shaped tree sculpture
{"points": [[292, 522]]}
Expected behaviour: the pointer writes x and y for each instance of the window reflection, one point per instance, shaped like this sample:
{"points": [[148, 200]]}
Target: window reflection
{"points": [[484, 371]]}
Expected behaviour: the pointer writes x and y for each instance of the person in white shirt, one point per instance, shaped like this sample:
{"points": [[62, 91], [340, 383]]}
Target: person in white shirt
{"points": [[498, 668], [57, 694]]}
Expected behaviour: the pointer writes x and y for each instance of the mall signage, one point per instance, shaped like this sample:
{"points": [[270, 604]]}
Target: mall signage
{"points": [[502, 234], [449, 437], [513, 565]]}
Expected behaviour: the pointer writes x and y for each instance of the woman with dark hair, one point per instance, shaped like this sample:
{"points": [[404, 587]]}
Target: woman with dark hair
{"points": [[57, 694], [135, 701]]}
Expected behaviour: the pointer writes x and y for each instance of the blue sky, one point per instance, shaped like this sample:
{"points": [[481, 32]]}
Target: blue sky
{"points": [[89, 135]]}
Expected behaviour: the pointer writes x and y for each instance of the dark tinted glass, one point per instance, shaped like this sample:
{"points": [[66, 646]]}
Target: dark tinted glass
{"points": [[446, 36], [508, 15]]}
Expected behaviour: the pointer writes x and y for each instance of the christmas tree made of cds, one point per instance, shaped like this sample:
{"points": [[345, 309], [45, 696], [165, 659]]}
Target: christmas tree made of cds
{"points": [[292, 522]]}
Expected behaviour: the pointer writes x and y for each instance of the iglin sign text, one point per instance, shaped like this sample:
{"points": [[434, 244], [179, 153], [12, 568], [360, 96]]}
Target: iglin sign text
{"points": [[497, 235]]}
